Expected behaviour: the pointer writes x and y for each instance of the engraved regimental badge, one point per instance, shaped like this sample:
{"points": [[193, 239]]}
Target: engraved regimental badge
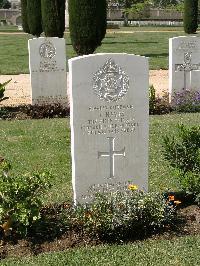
{"points": [[47, 50], [110, 83]]}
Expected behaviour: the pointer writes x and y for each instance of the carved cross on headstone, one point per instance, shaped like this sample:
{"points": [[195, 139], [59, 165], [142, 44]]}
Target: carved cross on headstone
{"points": [[187, 67], [111, 154]]}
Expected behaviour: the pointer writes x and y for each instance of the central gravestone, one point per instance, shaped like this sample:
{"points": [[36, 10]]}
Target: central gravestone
{"points": [[109, 123]]}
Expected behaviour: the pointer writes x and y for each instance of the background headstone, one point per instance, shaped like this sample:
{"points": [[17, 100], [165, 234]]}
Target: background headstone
{"points": [[47, 64], [109, 123], [184, 64]]}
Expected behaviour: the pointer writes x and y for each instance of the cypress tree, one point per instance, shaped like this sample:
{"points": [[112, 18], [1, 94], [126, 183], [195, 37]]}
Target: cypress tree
{"points": [[34, 17], [53, 17], [190, 16], [24, 16], [87, 24]]}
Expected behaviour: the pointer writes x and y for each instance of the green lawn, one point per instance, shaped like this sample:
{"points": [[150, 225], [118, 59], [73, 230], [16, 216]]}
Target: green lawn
{"points": [[184, 251], [14, 48], [7, 28], [45, 144]]}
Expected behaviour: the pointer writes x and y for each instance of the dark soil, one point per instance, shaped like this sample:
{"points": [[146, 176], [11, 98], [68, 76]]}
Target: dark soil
{"points": [[189, 224], [33, 112]]}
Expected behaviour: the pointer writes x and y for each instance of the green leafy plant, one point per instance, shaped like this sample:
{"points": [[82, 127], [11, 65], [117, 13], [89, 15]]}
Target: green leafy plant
{"points": [[2, 90], [118, 215], [21, 198], [183, 154]]}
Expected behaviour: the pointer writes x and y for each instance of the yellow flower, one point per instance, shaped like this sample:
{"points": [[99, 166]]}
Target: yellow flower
{"points": [[132, 187]]}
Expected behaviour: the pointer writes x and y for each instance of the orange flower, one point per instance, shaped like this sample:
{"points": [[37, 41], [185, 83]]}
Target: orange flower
{"points": [[88, 215], [171, 198]]}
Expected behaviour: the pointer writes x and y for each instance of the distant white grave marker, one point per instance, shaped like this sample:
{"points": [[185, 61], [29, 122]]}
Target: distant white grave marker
{"points": [[47, 63], [109, 123], [184, 64]]}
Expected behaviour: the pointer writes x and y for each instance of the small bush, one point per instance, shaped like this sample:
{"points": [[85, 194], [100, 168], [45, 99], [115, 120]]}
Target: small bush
{"points": [[183, 154], [122, 215], [34, 112], [186, 101], [158, 105], [21, 198]]}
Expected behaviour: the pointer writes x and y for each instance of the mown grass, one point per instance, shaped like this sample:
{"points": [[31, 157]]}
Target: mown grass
{"points": [[33, 145], [183, 251], [11, 28], [45, 144], [14, 48]]}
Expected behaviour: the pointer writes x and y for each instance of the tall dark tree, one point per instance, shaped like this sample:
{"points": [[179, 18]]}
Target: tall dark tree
{"points": [[53, 17], [5, 4], [34, 17], [190, 16], [87, 24], [24, 16]]}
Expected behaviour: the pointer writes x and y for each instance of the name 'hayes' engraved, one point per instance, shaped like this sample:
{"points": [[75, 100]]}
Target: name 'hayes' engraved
{"points": [[114, 119]]}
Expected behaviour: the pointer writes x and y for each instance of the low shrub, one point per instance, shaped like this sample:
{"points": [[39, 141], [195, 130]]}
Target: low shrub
{"points": [[186, 101], [34, 112], [20, 198], [122, 215], [158, 105], [183, 154]]}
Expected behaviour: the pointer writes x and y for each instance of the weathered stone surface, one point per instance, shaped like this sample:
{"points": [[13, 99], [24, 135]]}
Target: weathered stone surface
{"points": [[47, 63], [109, 123], [184, 64]]}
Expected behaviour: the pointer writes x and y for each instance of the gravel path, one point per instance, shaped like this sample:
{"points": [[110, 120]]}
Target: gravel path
{"points": [[19, 90]]}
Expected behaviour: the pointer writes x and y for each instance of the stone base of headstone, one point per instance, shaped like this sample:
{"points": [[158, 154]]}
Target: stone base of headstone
{"points": [[47, 64]]}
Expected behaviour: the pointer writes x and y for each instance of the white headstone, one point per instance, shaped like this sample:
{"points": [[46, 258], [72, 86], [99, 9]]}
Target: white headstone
{"points": [[109, 123], [47, 64], [184, 64]]}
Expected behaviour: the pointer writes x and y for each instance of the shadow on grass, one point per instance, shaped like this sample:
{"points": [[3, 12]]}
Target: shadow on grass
{"points": [[127, 42], [156, 55]]}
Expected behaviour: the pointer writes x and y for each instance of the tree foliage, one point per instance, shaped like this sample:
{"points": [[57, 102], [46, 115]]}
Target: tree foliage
{"points": [[24, 16], [190, 16], [5, 4], [34, 17], [87, 23], [165, 3], [53, 17]]}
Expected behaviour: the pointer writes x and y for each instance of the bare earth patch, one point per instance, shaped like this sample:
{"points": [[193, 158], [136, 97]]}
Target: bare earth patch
{"points": [[34, 246], [19, 89]]}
